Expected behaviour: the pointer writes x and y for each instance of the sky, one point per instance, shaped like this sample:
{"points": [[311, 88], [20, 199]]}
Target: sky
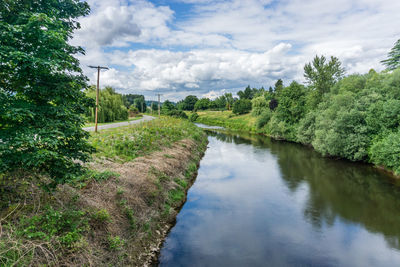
{"points": [[209, 47]]}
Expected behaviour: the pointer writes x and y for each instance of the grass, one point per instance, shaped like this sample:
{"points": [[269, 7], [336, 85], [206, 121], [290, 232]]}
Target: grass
{"points": [[228, 120], [127, 143], [102, 210], [91, 124]]}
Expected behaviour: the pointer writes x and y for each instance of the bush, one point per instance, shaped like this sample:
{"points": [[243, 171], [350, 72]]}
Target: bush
{"points": [[386, 152], [193, 117], [259, 104], [177, 114], [242, 106], [264, 118]]}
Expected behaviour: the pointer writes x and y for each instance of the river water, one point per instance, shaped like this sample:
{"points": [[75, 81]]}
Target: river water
{"points": [[259, 202]]}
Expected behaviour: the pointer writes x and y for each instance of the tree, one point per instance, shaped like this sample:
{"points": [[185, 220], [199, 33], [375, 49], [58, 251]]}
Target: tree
{"points": [[393, 60], [322, 75], [278, 86], [202, 104], [242, 106], [189, 102], [248, 93], [41, 82], [167, 106], [229, 100], [154, 107]]}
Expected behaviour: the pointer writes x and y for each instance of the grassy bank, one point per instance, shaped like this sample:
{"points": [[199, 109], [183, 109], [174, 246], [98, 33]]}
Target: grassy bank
{"points": [[228, 120], [117, 214]]}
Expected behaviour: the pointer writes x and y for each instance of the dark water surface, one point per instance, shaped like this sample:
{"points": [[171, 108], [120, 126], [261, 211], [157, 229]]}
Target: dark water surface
{"points": [[258, 202]]}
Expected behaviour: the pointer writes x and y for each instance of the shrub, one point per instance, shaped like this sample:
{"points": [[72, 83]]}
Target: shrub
{"points": [[263, 119], [177, 114], [259, 104], [193, 117], [386, 152], [242, 106]]}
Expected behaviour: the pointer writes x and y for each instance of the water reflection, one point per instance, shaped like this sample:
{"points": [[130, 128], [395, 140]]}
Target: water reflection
{"points": [[259, 202]]}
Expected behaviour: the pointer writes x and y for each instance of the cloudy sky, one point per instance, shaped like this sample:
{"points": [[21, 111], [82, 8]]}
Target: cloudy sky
{"points": [[208, 47]]}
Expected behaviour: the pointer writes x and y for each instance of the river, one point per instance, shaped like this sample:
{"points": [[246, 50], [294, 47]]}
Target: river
{"points": [[259, 202]]}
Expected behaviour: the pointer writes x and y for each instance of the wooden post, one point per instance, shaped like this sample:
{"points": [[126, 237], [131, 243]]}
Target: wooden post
{"points": [[97, 94]]}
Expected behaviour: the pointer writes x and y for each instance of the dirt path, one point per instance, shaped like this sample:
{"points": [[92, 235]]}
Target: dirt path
{"points": [[119, 124]]}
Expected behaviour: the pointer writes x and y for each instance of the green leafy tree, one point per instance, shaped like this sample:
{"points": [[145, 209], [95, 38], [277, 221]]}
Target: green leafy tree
{"points": [[202, 104], [167, 106], [278, 86], [259, 104], [189, 102], [154, 107], [41, 82], [229, 100], [322, 75], [242, 106], [292, 103], [111, 105], [393, 60]]}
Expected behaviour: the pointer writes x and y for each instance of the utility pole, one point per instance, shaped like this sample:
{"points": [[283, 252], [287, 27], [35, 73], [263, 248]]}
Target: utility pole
{"points": [[159, 103], [97, 93]]}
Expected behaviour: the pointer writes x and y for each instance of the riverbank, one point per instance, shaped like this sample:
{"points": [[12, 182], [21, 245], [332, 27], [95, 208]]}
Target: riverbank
{"points": [[247, 123], [116, 214]]}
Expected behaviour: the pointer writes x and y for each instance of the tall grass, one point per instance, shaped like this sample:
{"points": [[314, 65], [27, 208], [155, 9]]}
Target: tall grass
{"points": [[127, 143]]}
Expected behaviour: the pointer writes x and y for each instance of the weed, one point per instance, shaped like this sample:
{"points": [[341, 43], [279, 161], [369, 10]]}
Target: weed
{"points": [[115, 243], [175, 196], [120, 191], [182, 183], [168, 156], [101, 216]]}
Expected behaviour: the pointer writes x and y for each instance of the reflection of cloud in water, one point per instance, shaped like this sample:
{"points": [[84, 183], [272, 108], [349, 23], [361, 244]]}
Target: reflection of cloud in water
{"points": [[257, 204]]}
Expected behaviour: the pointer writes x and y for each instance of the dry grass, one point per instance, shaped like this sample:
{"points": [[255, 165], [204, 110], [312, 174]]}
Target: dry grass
{"points": [[128, 215]]}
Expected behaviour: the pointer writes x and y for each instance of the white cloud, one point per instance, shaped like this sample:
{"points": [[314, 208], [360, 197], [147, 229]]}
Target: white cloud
{"points": [[229, 44]]}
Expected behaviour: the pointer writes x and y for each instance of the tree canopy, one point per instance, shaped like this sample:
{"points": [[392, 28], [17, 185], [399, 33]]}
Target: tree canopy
{"points": [[41, 82]]}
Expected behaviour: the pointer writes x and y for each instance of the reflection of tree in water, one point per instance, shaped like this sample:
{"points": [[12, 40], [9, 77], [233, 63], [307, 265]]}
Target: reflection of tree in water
{"points": [[337, 188], [354, 192]]}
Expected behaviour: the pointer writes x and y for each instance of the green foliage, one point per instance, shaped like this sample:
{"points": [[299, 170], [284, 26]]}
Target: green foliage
{"points": [[115, 243], [322, 75], [291, 103], [386, 152], [306, 128], [264, 118], [65, 225], [193, 117], [101, 216], [188, 103], [167, 106], [137, 100], [177, 114], [393, 60], [41, 102], [111, 105], [202, 104], [242, 106], [259, 104]]}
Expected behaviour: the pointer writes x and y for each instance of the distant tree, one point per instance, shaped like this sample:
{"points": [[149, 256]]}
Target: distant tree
{"points": [[259, 104], [129, 99], [322, 75], [278, 86], [220, 102], [270, 90], [189, 102], [41, 82], [167, 106], [242, 106], [154, 107], [393, 60], [140, 103], [229, 100], [248, 93], [202, 104], [292, 101]]}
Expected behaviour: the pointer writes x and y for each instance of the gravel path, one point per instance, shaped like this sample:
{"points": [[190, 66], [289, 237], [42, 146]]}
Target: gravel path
{"points": [[119, 124]]}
